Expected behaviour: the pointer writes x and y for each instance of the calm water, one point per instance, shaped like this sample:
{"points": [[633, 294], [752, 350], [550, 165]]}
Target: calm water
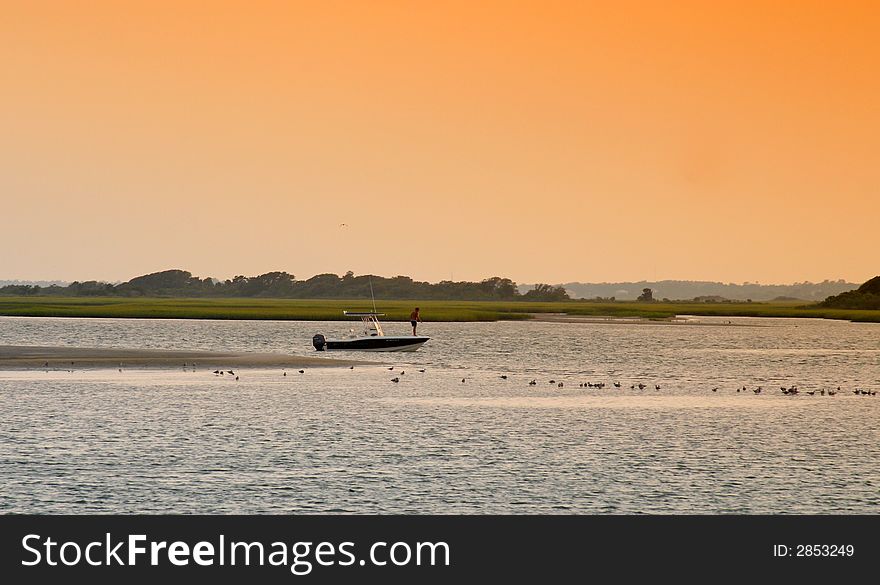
{"points": [[340, 440]]}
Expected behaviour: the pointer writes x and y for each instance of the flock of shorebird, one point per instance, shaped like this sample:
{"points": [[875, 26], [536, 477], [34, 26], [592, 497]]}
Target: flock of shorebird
{"points": [[787, 391], [222, 373], [396, 379], [858, 391]]}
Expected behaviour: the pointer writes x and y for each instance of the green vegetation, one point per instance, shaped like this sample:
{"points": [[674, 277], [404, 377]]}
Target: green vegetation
{"points": [[663, 310], [866, 296], [397, 310], [280, 309], [176, 294]]}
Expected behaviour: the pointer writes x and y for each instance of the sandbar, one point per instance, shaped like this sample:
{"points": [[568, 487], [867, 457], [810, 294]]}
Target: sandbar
{"points": [[66, 357]]}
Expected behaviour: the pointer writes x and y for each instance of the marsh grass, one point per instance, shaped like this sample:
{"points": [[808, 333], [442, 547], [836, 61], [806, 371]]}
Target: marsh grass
{"points": [[331, 309], [669, 310]]}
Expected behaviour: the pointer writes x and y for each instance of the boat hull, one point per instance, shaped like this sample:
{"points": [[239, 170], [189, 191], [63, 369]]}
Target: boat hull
{"points": [[376, 343]]}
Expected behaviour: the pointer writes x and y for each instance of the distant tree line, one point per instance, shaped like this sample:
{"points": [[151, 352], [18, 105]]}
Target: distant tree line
{"points": [[687, 289], [180, 283]]}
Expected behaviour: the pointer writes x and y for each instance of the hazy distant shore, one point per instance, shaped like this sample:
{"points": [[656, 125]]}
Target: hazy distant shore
{"points": [[18, 357]]}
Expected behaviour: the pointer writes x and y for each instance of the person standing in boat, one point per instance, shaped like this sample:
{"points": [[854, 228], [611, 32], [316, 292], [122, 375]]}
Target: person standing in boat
{"points": [[415, 319]]}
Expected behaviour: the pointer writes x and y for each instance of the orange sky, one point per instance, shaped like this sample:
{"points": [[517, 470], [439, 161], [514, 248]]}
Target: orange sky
{"points": [[543, 141]]}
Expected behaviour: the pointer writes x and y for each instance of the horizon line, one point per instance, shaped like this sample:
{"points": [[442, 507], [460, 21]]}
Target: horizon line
{"points": [[60, 282]]}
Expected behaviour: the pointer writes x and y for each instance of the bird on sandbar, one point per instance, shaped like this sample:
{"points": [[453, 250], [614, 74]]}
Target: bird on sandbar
{"points": [[395, 380], [302, 371], [617, 384], [533, 383], [503, 377]]}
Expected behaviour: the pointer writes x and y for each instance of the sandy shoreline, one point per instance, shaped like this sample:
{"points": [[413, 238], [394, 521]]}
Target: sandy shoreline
{"points": [[19, 356]]}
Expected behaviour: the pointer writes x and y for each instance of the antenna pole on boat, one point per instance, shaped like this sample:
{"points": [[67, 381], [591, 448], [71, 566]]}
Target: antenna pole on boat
{"points": [[371, 293]]}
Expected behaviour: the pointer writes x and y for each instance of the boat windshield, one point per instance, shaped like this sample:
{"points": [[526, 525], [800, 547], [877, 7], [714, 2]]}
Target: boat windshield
{"points": [[372, 327], [370, 321]]}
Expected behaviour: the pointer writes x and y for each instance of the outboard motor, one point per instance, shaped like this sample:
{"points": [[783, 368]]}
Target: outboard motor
{"points": [[319, 342]]}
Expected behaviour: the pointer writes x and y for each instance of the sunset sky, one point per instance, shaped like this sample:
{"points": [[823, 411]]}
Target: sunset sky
{"points": [[542, 141]]}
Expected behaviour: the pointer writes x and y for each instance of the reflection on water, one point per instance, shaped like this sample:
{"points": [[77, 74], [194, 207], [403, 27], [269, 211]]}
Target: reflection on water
{"points": [[340, 440]]}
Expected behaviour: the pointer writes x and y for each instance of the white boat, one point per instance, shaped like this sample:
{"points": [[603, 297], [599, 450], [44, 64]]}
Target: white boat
{"points": [[372, 338]]}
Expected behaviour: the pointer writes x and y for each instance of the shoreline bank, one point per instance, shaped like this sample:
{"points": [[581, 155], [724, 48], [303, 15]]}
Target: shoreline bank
{"points": [[62, 357]]}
